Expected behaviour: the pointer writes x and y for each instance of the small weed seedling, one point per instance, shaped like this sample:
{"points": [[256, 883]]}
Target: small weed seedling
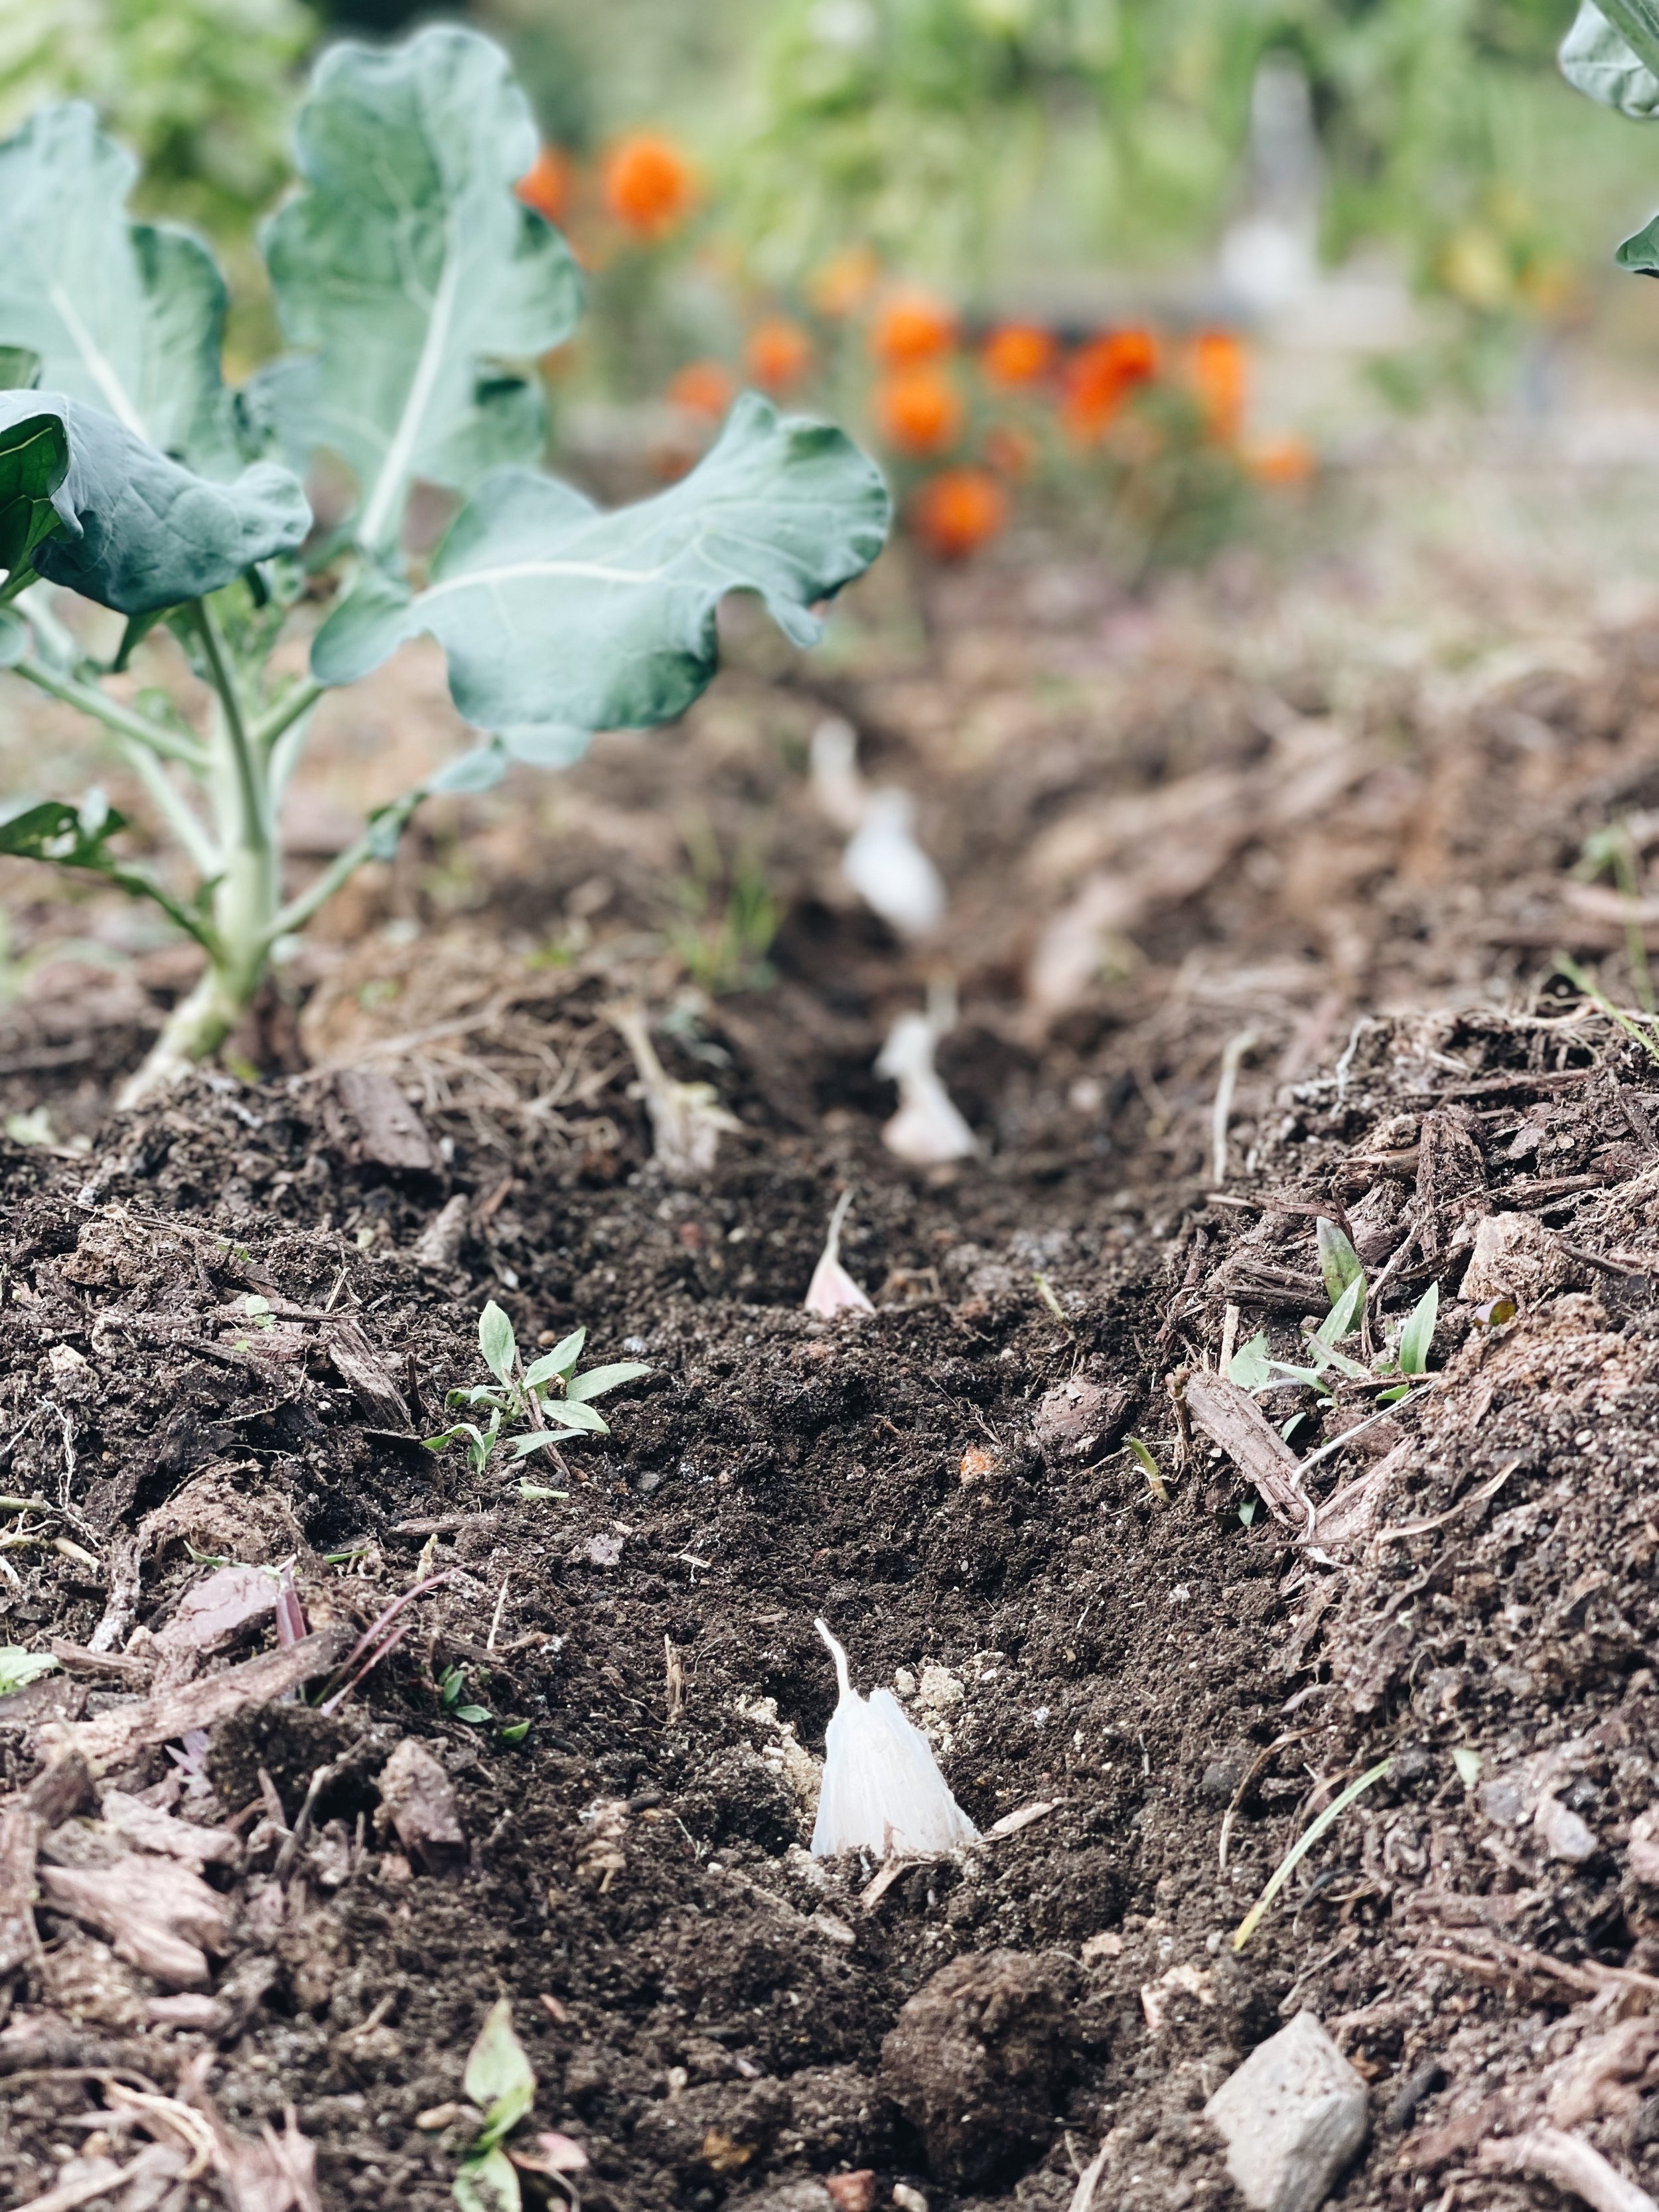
{"points": [[549, 1400], [18, 1668], [415, 292], [501, 2082], [1254, 1368]]}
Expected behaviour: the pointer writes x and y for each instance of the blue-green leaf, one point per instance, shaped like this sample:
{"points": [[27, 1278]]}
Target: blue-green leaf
{"points": [[1251, 1366], [1598, 58], [127, 317], [555, 614], [414, 281], [560, 1360]]}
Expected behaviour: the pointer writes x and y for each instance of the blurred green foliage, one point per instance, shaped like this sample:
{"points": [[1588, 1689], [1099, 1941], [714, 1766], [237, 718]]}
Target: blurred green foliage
{"points": [[961, 137], [202, 90]]}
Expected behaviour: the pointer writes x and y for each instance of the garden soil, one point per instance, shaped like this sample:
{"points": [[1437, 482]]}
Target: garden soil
{"points": [[1200, 831]]}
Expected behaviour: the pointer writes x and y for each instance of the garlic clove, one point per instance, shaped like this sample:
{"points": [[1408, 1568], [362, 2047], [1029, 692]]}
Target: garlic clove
{"points": [[832, 1290], [883, 1791], [888, 869]]}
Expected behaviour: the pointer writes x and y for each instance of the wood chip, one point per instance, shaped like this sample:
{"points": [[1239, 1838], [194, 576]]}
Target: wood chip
{"points": [[153, 1830], [420, 1804], [159, 1916], [21, 1831], [1571, 2164], [1229, 1417], [439, 1244], [114, 1736], [1021, 1817], [213, 1613], [371, 1381], [368, 1115]]}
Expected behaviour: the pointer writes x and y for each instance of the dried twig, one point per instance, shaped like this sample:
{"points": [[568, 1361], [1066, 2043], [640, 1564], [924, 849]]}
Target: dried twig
{"points": [[1230, 1418]]}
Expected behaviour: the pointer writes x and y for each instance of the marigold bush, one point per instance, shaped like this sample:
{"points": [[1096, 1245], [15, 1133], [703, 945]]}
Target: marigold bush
{"points": [[1019, 354], [920, 412], [702, 387], [648, 184], [1219, 372], [959, 510], [779, 354], [1102, 374], [912, 327]]}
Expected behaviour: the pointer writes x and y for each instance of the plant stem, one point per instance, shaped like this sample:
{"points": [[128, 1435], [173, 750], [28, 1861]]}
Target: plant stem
{"points": [[167, 744], [256, 825], [381, 834], [1636, 22], [297, 701], [198, 1026], [181, 818]]}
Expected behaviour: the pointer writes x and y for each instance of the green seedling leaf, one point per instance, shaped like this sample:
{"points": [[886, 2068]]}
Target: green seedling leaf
{"points": [[1466, 1760], [18, 1668], [513, 1732], [1299, 1850], [1338, 1263], [1494, 1313], [410, 275], [551, 612], [1250, 1367], [1611, 61], [1418, 1334], [499, 2079], [571, 1416], [1149, 1467], [125, 318], [497, 1342], [540, 1490], [1345, 1312], [472, 1715], [562, 1360], [521, 1447], [487, 2181], [598, 1380]]}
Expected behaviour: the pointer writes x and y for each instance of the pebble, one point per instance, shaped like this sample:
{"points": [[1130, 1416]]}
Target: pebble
{"points": [[1292, 2115]]}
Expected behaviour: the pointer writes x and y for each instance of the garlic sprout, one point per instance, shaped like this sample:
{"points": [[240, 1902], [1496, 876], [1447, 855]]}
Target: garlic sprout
{"points": [[686, 1118], [927, 1129], [883, 862], [882, 1790], [832, 1290]]}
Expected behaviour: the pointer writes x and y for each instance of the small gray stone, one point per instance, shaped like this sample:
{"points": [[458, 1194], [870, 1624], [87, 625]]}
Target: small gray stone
{"points": [[1292, 2115], [1565, 1836], [810, 2196]]}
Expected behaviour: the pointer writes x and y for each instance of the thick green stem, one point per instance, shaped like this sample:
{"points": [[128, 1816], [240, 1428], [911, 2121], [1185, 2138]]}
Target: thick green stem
{"points": [[196, 1028], [1636, 22], [299, 700]]}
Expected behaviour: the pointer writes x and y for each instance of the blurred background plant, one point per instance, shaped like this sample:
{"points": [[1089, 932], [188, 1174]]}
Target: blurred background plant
{"points": [[1089, 209]]}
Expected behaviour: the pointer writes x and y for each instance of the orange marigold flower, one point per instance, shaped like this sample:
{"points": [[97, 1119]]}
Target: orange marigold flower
{"points": [[777, 355], [1285, 460], [1218, 368], [648, 184], [701, 387], [912, 327], [1010, 450], [1102, 374], [546, 187], [1018, 354], [844, 283], [956, 512], [919, 411]]}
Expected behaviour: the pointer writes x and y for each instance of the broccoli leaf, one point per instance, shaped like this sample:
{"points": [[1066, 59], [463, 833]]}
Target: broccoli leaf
{"points": [[554, 613], [124, 317], [410, 277], [1612, 53], [135, 530], [78, 838]]}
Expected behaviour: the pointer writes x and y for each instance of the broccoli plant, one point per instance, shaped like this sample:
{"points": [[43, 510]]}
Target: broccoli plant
{"points": [[416, 292]]}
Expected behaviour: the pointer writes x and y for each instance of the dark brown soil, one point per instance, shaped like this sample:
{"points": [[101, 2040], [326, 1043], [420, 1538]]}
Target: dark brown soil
{"points": [[1179, 1683]]}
